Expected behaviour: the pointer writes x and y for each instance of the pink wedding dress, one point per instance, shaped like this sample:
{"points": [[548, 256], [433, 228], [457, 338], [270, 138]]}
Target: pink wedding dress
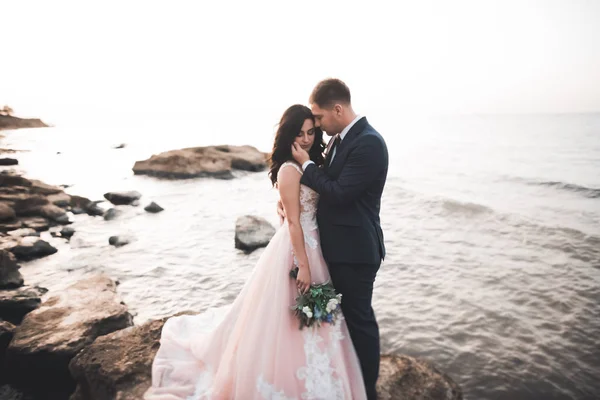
{"points": [[254, 349]]}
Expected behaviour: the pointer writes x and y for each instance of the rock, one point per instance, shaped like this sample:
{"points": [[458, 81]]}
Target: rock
{"points": [[10, 226], [153, 208], [118, 241], [10, 122], [10, 277], [50, 336], [7, 331], [22, 232], [54, 213], [67, 232], [7, 213], [252, 232], [8, 161], [40, 187], [37, 223], [60, 199], [404, 377], [16, 303], [211, 161], [7, 392], [121, 198], [118, 365], [8, 242], [120, 146], [111, 214], [31, 247], [29, 205]]}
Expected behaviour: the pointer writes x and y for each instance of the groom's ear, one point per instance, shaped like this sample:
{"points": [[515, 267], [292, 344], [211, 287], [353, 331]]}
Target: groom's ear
{"points": [[337, 110]]}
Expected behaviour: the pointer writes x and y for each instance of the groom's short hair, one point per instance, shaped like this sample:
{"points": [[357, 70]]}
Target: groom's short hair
{"points": [[328, 92]]}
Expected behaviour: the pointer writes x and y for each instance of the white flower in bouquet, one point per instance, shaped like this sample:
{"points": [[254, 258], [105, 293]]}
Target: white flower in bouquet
{"points": [[308, 312]]}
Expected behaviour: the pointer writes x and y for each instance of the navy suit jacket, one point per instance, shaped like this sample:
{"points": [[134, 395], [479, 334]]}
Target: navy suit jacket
{"points": [[350, 197]]}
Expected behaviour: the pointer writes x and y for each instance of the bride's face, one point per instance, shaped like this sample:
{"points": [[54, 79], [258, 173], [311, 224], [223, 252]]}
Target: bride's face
{"points": [[306, 136]]}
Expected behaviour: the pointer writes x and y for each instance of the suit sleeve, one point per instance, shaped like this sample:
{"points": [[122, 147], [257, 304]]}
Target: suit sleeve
{"points": [[363, 165]]}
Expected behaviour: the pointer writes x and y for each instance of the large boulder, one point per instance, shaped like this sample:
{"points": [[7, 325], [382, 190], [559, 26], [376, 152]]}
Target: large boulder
{"points": [[50, 336], [7, 213], [16, 303], [31, 247], [7, 331], [121, 198], [403, 377], [118, 365], [252, 232], [211, 161], [10, 277]]}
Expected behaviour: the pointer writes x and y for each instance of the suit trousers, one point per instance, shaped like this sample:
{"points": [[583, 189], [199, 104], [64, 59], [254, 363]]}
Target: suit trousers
{"points": [[355, 283]]}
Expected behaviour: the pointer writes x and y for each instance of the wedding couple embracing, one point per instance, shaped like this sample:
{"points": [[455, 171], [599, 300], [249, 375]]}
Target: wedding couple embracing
{"points": [[329, 204]]}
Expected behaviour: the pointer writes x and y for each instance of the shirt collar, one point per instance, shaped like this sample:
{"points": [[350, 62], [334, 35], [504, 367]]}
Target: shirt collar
{"points": [[350, 125]]}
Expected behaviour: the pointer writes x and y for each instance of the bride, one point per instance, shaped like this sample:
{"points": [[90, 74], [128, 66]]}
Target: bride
{"points": [[254, 349]]}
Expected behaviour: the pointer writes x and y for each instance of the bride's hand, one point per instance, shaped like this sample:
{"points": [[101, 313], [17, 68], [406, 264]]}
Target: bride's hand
{"points": [[303, 279], [280, 211]]}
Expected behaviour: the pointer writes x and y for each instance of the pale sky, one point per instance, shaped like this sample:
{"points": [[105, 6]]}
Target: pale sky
{"points": [[67, 58]]}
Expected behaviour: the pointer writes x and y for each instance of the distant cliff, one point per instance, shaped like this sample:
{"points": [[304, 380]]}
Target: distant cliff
{"points": [[8, 121]]}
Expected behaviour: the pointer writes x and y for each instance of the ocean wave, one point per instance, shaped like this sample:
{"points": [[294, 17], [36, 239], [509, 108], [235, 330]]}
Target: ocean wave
{"points": [[458, 207], [593, 193]]}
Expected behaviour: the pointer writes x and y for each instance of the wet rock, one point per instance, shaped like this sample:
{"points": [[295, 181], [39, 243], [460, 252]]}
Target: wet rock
{"points": [[54, 213], [404, 377], [8, 161], [50, 336], [120, 146], [252, 232], [111, 214], [153, 208], [16, 303], [7, 213], [31, 247], [10, 277], [39, 187], [211, 161], [119, 241], [10, 226], [60, 199], [29, 205], [7, 331], [118, 365], [122, 198], [38, 223], [67, 232], [22, 232]]}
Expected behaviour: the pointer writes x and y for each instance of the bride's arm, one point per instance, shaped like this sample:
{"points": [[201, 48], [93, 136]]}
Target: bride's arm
{"points": [[289, 190]]}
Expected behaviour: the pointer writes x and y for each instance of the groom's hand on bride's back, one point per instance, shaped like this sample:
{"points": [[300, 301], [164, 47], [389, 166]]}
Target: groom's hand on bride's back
{"points": [[280, 211]]}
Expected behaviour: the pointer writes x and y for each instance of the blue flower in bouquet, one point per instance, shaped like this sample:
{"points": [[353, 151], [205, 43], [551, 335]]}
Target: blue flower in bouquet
{"points": [[329, 318], [318, 312]]}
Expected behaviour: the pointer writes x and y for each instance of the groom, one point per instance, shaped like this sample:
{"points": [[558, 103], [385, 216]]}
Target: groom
{"points": [[350, 187]]}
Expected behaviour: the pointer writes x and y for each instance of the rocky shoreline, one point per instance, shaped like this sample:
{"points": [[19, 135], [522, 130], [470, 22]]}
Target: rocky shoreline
{"points": [[81, 343], [8, 121]]}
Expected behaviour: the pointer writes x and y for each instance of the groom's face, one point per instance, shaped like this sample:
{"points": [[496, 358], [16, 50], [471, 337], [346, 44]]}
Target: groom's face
{"points": [[325, 119]]}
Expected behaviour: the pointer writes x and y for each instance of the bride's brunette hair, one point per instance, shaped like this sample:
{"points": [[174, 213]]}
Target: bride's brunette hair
{"points": [[289, 127]]}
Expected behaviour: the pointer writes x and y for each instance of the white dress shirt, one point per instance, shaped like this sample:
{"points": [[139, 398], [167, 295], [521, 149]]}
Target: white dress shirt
{"points": [[342, 136]]}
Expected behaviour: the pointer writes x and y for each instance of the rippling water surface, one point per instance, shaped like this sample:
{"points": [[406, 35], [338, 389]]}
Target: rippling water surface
{"points": [[492, 226]]}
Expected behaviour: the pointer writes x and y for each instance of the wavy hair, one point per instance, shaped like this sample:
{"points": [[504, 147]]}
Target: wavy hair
{"points": [[289, 126]]}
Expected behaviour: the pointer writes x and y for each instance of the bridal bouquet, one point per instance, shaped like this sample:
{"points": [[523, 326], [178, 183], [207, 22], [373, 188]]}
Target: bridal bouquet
{"points": [[318, 305]]}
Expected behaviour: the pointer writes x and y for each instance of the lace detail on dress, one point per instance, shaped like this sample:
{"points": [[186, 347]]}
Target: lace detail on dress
{"points": [[268, 391], [319, 374]]}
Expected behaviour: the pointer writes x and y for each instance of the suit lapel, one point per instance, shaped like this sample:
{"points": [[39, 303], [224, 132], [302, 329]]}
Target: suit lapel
{"points": [[356, 129]]}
